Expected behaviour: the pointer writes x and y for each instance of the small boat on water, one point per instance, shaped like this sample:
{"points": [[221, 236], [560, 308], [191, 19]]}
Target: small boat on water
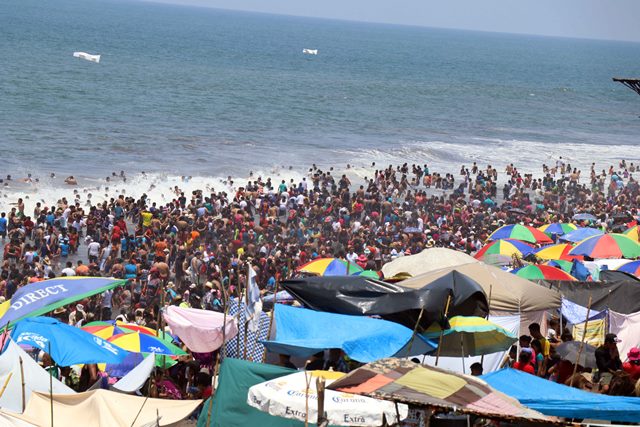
{"points": [[310, 51], [87, 56]]}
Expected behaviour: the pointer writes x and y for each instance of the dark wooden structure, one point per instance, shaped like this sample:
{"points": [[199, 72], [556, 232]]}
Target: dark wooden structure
{"points": [[633, 84]]}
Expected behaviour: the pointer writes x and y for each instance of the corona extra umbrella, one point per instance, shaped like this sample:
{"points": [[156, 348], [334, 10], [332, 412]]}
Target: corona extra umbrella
{"points": [[557, 251], [504, 248], [520, 232], [141, 343], [330, 267], [631, 267], [607, 246], [542, 272], [558, 228]]}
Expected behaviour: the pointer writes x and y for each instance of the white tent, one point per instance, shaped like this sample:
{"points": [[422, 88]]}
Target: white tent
{"points": [[35, 378], [428, 260]]}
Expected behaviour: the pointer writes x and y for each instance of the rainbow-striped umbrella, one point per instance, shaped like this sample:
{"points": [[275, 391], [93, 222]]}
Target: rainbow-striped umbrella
{"points": [[557, 251], [104, 331], [607, 246], [330, 267], [562, 264], [558, 228], [504, 248], [542, 272], [470, 336], [633, 233], [631, 267], [141, 343], [520, 232]]}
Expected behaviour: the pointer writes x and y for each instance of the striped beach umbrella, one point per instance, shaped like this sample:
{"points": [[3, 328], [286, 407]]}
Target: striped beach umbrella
{"points": [[141, 343], [104, 331], [542, 272], [581, 234], [607, 246], [116, 327], [330, 267], [562, 264], [557, 251], [631, 267], [520, 232], [470, 336], [504, 247], [558, 228], [633, 233]]}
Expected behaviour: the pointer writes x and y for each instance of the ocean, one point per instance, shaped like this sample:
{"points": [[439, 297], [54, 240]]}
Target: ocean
{"points": [[211, 93]]}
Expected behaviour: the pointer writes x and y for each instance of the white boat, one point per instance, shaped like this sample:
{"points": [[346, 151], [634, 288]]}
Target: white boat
{"points": [[310, 51], [87, 56]]}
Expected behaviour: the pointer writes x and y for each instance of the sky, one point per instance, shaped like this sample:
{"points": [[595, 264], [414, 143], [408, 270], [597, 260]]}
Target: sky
{"points": [[595, 19]]}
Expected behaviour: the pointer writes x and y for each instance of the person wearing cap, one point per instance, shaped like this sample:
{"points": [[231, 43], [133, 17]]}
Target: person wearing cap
{"points": [[632, 365], [608, 360]]}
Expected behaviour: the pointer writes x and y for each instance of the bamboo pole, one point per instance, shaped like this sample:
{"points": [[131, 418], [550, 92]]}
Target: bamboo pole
{"points": [[488, 311], [320, 387], [24, 403], [273, 313], [6, 383], [584, 336], [446, 312], [415, 329]]}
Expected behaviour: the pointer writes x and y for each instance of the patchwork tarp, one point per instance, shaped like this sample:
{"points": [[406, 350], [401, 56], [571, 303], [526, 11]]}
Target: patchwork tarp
{"points": [[509, 293], [99, 408], [199, 330], [230, 406], [301, 332], [35, 378], [627, 327], [556, 399], [403, 381], [358, 295]]}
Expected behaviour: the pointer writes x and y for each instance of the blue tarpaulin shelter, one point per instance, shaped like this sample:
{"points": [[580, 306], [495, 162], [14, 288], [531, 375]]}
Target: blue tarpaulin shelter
{"points": [[302, 332], [562, 401]]}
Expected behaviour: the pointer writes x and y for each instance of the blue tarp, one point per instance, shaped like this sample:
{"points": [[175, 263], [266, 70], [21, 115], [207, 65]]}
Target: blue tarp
{"points": [[302, 332], [575, 313], [562, 401]]}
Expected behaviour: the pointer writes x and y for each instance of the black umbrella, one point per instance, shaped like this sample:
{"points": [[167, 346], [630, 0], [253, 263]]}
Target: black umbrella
{"points": [[569, 351]]}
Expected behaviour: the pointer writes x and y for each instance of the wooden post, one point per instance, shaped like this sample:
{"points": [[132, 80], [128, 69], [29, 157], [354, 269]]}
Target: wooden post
{"points": [[446, 312], [273, 313], [320, 387], [24, 403], [413, 335], [6, 383], [584, 336]]}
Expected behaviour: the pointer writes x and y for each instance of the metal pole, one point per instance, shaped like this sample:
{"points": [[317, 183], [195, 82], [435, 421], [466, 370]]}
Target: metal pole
{"points": [[584, 336]]}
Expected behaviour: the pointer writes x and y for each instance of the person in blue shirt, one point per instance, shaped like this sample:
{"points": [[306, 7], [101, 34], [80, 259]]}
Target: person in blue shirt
{"points": [[3, 225], [64, 248]]}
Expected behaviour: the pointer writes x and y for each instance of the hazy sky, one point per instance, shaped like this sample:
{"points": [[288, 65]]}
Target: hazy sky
{"points": [[602, 19]]}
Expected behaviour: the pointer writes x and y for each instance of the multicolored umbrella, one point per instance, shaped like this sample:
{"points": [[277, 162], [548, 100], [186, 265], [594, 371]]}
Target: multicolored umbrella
{"points": [[505, 248], [633, 233], [141, 343], [631, 267], [470, 336], [557, 251], [520, 232], [107, 329], [607, 246], [330, 267], [558, 228], [104, 331], [581, 234], [368, 273], [562, 264], [542, 272]]}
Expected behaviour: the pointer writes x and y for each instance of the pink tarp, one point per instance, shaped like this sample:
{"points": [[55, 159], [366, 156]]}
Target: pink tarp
{"points": [[200, 330]]}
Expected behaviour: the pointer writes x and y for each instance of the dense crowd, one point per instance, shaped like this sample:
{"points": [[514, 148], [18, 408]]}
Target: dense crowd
{"points": [[193, 251]]}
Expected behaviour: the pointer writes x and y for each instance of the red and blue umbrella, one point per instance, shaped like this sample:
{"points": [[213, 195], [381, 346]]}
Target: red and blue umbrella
{"points": [[631, 267], [505, 248], [520, 232], [542, 272], [607, 246], [558, 228]]}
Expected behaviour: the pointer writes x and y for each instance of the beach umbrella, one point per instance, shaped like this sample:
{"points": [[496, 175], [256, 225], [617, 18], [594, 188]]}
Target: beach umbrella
{"points": [[105, 331], [632, 233], [330, 267], [569, 351], [520, 232], [505, 248], [581, 234], [558, 228], [542, 272], [470, 336], [42, 297], [142, 343], [67, 345], [290, 397], [368, 273], [584, 217], [557, 251], [562, 264], [631, 267], [607, 246]]}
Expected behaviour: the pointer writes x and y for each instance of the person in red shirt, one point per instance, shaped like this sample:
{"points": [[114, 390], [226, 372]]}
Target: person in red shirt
{"points": [[524, 363], [632, 365]]}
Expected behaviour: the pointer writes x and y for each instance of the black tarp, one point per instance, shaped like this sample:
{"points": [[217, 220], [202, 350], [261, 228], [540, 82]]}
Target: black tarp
{"points": [[357, 295], [616, 290]]}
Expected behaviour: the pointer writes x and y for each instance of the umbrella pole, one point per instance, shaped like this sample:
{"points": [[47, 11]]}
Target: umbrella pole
{"points": [[51, 386], [225, 297], [245, 317], [320, 386], [488, 311], [462, 349], [446, 312], [22, 384], [415, 329], [246, 321], [273, 312], [161, 318], [584, 336]]}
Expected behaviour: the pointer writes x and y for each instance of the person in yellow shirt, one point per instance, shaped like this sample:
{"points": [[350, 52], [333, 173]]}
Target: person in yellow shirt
{"points": [[146, 218]]}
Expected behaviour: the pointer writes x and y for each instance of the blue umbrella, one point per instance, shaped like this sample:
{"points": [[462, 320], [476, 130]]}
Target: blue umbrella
{"points": [[581, 234], [67, 345], [584, 217]]}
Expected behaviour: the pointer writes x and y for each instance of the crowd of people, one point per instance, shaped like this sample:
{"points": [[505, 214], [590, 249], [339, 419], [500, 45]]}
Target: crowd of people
{"points": [[193, 250]]}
